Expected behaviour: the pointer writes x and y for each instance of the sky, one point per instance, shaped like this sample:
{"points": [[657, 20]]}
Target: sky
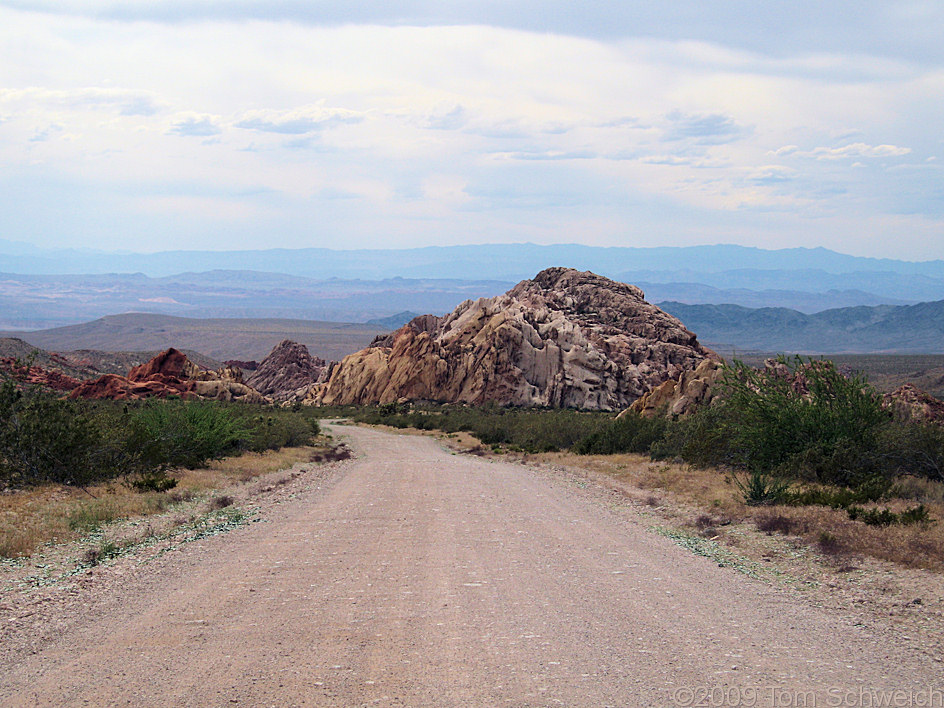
{"points": [[226, 124]]}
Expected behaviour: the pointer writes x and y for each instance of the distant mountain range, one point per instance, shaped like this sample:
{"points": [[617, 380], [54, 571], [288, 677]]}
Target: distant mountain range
{"points": [[506, 262], [815, 270], [812, 300], [886, 328], [729, 329], [30, 302]]}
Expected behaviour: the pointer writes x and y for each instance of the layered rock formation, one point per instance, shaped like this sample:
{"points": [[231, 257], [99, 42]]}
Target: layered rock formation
{"points": [[287, 371], [563, 339], [170, 373]]}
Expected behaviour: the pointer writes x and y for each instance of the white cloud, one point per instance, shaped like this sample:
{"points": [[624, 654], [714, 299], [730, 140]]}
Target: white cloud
{"points": [[856, 150], [442, 133], [127, 102], [297, 121], [196, 125]]}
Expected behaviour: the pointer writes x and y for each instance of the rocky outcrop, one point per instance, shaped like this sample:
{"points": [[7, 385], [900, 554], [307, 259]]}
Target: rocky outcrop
{"points": [[563, 339], [287, 369], [682, 396], [910, 402], [170, 373], [37, 375], [170, 365]]}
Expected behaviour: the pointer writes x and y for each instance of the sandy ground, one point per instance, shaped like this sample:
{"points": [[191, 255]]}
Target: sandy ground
{"points": [[410, 576]]}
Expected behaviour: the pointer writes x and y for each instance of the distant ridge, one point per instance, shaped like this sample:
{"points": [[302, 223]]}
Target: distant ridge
{"points": [[394, 321], [220, 339], [907, 329], [500, 261]]}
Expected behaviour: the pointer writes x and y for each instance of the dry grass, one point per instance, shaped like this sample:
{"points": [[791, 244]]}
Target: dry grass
{"points": [[30, 518], [704, 498], [833, 533]]}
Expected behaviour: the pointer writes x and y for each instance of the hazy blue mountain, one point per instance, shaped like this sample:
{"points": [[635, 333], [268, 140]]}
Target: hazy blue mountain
{"points": [[495, 261], [43, 301], [394, 321], [809, 302], [886, 328]]}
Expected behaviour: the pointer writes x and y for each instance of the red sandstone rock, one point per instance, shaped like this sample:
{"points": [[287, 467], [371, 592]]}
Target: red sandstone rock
{"points": [[170, 373], [38, 376]]}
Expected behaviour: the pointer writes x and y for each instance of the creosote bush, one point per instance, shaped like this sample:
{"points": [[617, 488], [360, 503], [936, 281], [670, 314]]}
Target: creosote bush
{"points": [[48, 439]]}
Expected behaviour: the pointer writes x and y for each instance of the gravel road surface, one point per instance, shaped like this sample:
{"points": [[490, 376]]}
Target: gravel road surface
{"points": [[411, 576]]}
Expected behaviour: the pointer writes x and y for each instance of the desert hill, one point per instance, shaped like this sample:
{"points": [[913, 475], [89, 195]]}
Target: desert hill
{"points": [[220, 339], [564, 338]]}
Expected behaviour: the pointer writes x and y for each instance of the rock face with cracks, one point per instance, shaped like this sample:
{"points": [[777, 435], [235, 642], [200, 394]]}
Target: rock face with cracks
{"points": [[563, 339], [287, 368], [681, 396]]}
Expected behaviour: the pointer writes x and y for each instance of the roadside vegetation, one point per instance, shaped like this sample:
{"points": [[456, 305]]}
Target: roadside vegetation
{"points": [[69, 467], [802, 449]]}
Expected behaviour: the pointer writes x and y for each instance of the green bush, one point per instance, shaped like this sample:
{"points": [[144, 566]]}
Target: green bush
{"points": [[629, 433], [271, 429], [886, 517], [175, 433], [760, 488], [530, 430], [804, 419], [44, 438]]}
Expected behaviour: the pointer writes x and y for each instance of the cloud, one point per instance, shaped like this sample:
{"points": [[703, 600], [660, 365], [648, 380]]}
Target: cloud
{"points": [[298, 121], [857, 150], [446, 117], [907, 29], [196, 126], [554, 155], [41, 136], [705, 129], [772, 174], [126, 101], [597, 129]]}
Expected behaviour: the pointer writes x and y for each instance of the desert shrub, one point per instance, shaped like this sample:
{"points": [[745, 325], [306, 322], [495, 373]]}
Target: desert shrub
{"points": [[912, 448], [803, 419], [702, 439], [46, 439], [761, 488], [629, 433], [887, 517], [175, 433], [776, 523], [271, 429], [868, 491], [530, 430], [152, 481]]}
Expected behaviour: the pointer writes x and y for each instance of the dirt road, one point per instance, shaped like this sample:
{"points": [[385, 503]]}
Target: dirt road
{"points": [[412, 576]]}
